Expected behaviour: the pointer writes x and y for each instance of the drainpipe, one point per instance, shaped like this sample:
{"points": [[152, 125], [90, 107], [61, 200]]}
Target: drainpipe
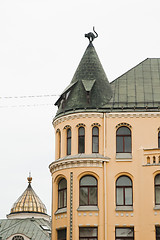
{"points": [[104, 174]]}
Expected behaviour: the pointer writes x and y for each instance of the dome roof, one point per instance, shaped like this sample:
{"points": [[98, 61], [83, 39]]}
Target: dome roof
{"points": [[29, 202]]}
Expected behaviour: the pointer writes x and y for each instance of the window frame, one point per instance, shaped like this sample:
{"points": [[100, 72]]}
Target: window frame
{"points": [[124, 237], [63, 190], [124, 136], [88, 187], [69, 139], [65, 234], [18, 237], [159, 139], [89, 237], [80, 136], [157, 236], [155, 186], [97, 137], [59, 144], [124, 194]]}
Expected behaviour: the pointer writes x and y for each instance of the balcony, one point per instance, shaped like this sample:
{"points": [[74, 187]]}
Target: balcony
{"points": [[151, 156]]}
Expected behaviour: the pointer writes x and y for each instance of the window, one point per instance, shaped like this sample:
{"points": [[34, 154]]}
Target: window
{"points": [[88, 191], [95, 140], [123, 140], [68, 141], [124, 233], [86, 233], [61, 234], [157, 189], [18, 238], [59, 143], [81, 140], [124, 191], [159, 139], [62, 193], [157, 233]]}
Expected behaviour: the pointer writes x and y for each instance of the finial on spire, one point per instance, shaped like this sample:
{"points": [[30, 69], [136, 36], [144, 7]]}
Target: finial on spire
{"points": [[91, 36], [29, 178]]}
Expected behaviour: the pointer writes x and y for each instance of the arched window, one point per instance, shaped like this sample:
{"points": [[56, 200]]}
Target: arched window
{"points": [[88, 191], [95, 140], [159, 139], [123, 140], [124, 191], [157, 189], [68, 141], [58, 132], [18, 238], [62, 193], [81, 140]]}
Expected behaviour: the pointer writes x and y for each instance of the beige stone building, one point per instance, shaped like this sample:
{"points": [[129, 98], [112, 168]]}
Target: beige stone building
{"points": [[106, 173]]}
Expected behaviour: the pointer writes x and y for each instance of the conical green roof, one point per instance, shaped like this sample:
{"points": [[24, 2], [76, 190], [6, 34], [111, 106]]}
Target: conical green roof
{"points": [[89, 88]]}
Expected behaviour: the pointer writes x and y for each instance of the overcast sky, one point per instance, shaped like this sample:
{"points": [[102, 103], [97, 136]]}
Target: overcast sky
{"points": [[41, 44]]}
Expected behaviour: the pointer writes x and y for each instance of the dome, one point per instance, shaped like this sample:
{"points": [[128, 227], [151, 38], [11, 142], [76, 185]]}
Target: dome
{"points": [[28, 202]]}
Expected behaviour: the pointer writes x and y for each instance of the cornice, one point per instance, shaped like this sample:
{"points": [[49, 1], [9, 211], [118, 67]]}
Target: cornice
{"points": [[76, 116], [133, 115], [76, 163]]}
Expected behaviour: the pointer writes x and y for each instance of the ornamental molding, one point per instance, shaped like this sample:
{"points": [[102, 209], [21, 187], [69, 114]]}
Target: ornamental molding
{"points": [[76, 116], [124, 125], [134, 115], [76, 163]]}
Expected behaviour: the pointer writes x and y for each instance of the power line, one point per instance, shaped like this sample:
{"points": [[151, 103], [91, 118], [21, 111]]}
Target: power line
{"points": [[30, 96], [27, 105]]}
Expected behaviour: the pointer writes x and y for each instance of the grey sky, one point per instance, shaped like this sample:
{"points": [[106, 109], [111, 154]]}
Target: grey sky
{"points": [[41, 44]]}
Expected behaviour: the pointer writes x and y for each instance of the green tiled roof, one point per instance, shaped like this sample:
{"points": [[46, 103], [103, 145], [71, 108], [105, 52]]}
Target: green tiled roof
{"points": [[137, 89], [30, 227], [89, 88]]}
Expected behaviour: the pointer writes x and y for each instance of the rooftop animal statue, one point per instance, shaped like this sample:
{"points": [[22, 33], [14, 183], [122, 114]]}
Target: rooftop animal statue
{"points": [[91, 36]]}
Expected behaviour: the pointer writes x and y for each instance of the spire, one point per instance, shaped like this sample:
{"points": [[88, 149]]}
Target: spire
{"points": [[29, 178], [89, 88]]}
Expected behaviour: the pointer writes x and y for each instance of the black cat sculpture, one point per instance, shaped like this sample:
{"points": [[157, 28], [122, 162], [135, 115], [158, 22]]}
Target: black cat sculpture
{"points": [[91, 36]]}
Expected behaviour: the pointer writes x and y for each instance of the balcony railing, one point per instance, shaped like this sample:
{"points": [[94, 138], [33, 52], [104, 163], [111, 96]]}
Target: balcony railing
{"points": [[151, 156]]}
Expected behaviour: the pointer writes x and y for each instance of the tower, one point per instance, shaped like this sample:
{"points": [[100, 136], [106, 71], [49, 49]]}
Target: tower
{"points": [[106, 172]]}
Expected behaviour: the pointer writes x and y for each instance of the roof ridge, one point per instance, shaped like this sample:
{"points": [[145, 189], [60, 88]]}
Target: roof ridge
{"points": [[131, 69], [14, 224]]}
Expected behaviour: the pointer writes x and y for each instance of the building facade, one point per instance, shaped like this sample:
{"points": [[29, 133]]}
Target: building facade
{"points": [[106, 173]]}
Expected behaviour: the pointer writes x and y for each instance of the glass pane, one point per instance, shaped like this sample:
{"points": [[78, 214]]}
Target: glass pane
{"points": [[127, 144], [68, 133], [92, 196], [62, 184], [81, 144], [120, 200], [128, 196], [68, 146], [119, 144], [83, 198], [157, 179], [95, 144], [95, 131], [88, 181], [88, 232], [60, 199], [65, 198], [157, 194], [62, 234], [124, 181], [124, 232], [123, 131], [81, 131]]}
